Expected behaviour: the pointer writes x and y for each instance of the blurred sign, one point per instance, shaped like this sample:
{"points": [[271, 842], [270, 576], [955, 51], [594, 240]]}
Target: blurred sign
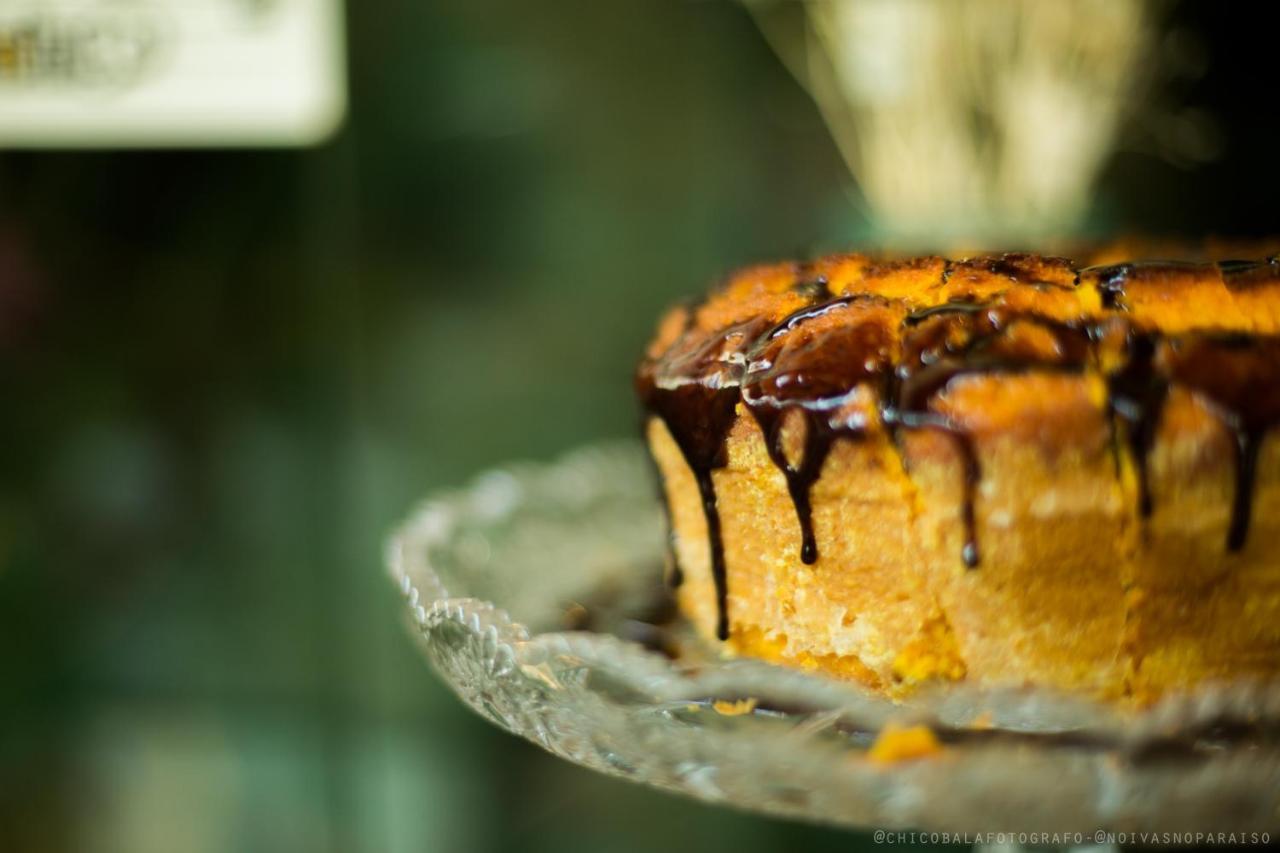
{"points": [[170, 72]]}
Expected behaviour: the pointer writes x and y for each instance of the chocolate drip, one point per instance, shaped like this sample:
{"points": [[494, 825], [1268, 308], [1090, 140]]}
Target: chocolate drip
{"points": [[814, 361], [1241, 376], [961, 338], [693, 389], [972, 477], [1135, 395], [699, 418], [901, 418], [646, 385], [800, 478], [707, 491], [1248, 441]]}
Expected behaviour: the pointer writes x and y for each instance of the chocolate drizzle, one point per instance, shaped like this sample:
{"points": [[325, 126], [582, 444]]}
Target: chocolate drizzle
{"points": [[959, 338], [693, 389], [838, 368], [1240, 375], [1247, 444], [800, 479], [1135, 397], [813, 362]]}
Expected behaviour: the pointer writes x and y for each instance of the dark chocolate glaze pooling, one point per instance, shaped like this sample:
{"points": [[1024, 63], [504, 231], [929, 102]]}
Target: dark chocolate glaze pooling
{"points": [[841, 366]]}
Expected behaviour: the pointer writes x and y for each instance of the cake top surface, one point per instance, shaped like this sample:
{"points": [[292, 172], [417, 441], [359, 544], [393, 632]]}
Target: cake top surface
{"points": [[807, 333], [1202, 291]]}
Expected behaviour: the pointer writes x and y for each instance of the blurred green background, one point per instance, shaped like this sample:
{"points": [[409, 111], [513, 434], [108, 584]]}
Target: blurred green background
{"points": [[226, 375]]}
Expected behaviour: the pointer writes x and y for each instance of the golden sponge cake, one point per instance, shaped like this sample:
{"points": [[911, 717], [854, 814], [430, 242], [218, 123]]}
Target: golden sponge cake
{"points": [[1012, 469]]}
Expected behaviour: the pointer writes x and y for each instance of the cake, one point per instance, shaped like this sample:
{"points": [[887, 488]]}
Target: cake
{"points": [[1011, 470]]}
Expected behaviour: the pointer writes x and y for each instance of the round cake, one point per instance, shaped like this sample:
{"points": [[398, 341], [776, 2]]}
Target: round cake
{"points": [[1007, 469]]}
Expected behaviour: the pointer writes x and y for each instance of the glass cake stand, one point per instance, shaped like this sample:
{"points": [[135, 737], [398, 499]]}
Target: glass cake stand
{"points": [[533, 594]]}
